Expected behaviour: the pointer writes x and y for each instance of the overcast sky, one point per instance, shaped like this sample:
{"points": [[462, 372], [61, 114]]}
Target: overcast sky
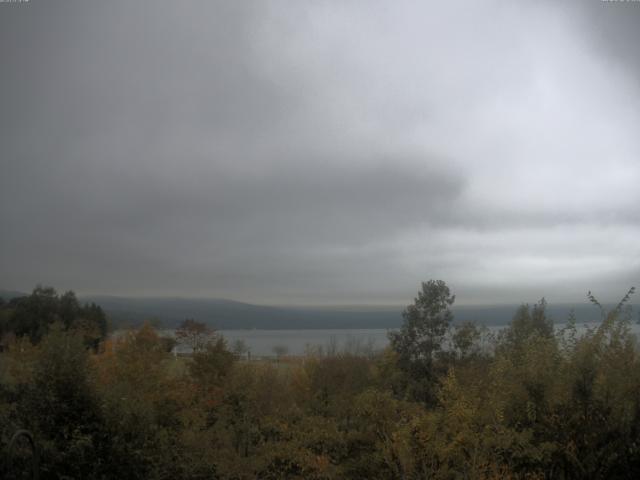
{"points": [[321, 152]]}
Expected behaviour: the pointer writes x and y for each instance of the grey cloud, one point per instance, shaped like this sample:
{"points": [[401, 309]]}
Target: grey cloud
{"points": [[314, 152], [610, 28]]}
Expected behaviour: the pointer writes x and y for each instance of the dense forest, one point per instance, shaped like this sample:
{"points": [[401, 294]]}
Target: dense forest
{"points": [[444, 400]]}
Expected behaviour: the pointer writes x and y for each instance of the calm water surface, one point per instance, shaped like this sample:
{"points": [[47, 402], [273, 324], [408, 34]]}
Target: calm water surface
{"points": [[298, 342]]}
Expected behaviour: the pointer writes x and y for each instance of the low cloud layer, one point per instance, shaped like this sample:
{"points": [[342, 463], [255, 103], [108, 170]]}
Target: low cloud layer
{"points": [[321, 153]]}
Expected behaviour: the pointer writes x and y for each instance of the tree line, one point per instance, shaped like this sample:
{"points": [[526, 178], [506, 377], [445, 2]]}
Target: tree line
{"points": [[442, 401]]}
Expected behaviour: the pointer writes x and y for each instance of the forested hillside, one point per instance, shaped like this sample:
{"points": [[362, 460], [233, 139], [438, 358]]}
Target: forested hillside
{"points": [[124, 312], [442, 401]]}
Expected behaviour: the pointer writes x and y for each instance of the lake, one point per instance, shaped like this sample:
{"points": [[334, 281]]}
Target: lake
{"points": [[262, 343], [298, 342]]}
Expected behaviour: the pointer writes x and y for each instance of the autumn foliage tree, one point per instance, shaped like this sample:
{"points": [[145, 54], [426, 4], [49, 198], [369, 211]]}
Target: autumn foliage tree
{"points": [[421, 337], [194, 335], [33, 315]]}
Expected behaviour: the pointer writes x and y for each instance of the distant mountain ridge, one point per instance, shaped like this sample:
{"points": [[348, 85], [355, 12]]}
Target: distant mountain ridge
{"points": [[228, 314]]}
